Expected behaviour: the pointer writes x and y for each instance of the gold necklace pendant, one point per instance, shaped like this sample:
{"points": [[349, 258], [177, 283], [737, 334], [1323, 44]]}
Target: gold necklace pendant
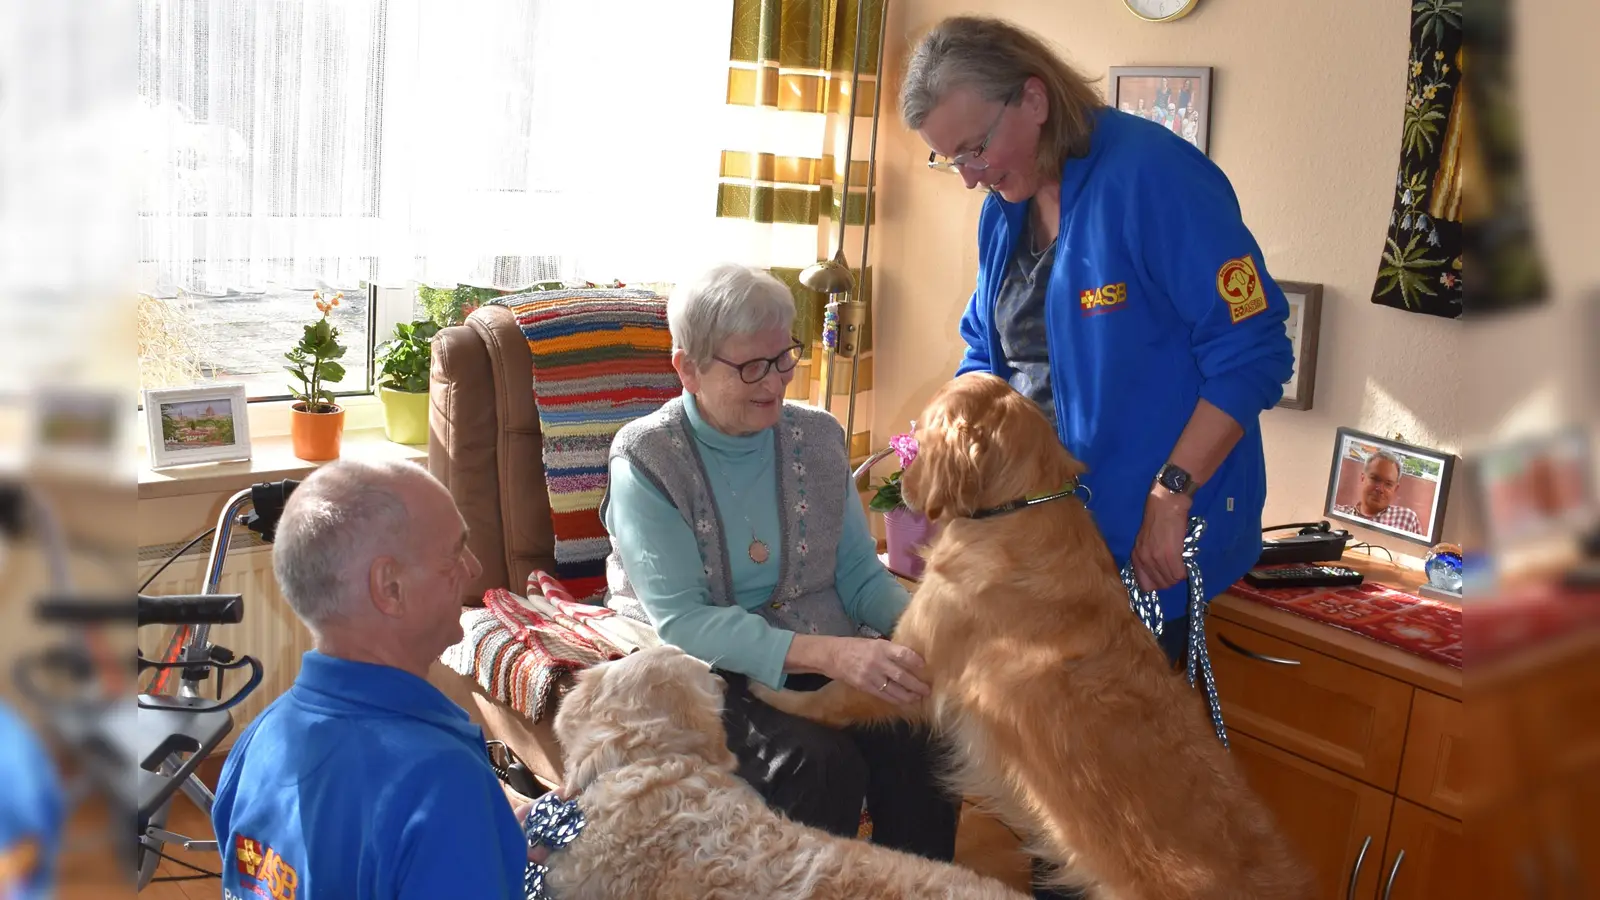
{"points": [[758, 551]]}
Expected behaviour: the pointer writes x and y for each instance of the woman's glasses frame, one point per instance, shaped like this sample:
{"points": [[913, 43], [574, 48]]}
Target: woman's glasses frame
{"points": [[752, 371]]}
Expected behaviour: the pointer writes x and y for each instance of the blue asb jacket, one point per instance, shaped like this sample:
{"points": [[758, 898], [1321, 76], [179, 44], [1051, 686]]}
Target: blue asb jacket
{"points": [[1159, 297]]}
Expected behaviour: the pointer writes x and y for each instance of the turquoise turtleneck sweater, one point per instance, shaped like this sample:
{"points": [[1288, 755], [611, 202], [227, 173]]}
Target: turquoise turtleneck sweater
{"points": [[662, 559]]}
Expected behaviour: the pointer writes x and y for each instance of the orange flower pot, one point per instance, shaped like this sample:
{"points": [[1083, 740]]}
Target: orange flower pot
{"points": [[316, 436]]}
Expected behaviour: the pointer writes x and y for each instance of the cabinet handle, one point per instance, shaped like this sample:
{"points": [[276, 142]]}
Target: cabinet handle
{"points": [[1355, 870], [1251, 654], [1389, 885]]}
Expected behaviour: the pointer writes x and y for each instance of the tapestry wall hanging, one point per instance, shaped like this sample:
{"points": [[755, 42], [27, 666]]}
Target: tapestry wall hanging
{"points": [[1421, 267]]}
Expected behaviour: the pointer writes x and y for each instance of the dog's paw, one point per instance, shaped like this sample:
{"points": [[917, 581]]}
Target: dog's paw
{"points": [[791, 702]]}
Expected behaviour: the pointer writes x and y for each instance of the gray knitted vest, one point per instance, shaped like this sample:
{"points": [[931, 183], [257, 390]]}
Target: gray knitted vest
{"points": [[809, 451]]}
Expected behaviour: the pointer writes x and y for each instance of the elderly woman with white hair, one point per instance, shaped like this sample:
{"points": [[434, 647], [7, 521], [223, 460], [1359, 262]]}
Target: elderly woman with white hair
{"points": [[736, 529]]}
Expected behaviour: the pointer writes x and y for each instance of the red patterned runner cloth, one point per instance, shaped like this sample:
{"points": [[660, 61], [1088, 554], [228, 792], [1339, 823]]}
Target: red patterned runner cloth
{"points": [[1420, 626]]}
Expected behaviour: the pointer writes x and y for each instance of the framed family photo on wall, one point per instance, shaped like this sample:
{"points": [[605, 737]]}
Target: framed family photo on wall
{"points": [[1175, 97], [196, 425], [1305, 320]]}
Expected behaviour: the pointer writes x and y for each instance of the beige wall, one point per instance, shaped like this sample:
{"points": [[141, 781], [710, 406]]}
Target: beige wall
{"points": [[1306, 123]]}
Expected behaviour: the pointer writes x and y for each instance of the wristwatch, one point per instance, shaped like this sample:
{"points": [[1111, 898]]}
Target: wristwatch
{"points": [[1175, 479]]}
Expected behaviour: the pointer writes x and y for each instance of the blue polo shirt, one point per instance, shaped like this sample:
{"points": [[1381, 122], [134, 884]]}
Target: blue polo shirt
{"points": [[31, 811], [364, 781]]}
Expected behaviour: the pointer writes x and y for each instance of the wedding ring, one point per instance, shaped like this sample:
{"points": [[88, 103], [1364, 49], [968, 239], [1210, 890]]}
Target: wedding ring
{"points": [[885, 688]]}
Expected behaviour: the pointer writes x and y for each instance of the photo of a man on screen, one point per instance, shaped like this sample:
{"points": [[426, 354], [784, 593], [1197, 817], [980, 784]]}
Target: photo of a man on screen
{"points": [[1375, 495]]}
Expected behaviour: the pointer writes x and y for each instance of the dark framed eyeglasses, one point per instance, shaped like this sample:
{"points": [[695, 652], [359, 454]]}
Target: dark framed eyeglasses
{"points": [[753, 370], [973, 161]]}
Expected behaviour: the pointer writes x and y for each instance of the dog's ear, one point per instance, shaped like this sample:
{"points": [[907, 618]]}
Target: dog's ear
{"points": [[944, 480], [588, 739]]}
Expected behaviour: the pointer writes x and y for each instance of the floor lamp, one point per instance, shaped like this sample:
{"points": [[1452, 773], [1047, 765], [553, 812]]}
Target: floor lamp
{"points": [[845, 316]]}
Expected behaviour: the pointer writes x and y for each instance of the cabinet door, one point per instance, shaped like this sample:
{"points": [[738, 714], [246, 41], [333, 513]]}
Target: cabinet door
{"points": [[1570, 831], [1337, 824], [1349, 719], [1433, 773], [1426, 858]]}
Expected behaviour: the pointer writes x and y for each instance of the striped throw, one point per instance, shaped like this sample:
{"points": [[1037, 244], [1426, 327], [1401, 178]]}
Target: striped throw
{"points": [[602, 357]]}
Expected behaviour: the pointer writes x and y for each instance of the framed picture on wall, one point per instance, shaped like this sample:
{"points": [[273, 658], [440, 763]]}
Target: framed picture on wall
{"points": [[1176, 97], [1388, 486], [196, 425], [1305, 320]]}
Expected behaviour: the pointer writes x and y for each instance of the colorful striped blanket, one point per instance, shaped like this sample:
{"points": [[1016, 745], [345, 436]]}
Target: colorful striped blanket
{"points": [[602, 357]]}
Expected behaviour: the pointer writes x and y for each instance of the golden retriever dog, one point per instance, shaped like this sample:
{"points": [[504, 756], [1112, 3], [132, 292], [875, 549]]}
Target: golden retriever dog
{"points": [[667, 819], [1063, 713]]}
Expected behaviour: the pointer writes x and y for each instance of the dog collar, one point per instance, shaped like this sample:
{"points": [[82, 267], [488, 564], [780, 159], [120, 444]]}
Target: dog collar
{"points": [[552, 823], [1072, 487]]}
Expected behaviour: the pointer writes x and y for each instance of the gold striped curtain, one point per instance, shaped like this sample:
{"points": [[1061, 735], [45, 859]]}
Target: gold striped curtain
{"points": [[789, 108]]}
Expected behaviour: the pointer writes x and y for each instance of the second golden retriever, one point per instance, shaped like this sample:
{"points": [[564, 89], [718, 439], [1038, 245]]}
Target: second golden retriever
{"points": [[1062, 710], [667, 818]]}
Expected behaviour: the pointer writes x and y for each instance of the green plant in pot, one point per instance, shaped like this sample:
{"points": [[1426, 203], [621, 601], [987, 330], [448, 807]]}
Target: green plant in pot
{"points": [[316, 422], [403, 381]]}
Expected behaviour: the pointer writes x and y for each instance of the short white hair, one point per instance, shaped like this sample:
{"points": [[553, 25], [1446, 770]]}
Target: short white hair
{"points": [[729, 300], [1390, 455], [336, 522]]}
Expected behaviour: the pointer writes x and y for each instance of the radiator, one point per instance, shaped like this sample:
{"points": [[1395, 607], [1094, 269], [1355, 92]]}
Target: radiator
{"points": [[270, 632]]}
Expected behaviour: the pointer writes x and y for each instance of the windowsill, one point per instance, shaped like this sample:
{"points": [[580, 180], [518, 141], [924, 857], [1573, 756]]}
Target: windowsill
{"points": [[272, 459]]}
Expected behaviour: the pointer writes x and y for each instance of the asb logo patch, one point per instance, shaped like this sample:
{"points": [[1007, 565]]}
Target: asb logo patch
{"points": [[1240, 285], [1103, 299], [275, 878]]}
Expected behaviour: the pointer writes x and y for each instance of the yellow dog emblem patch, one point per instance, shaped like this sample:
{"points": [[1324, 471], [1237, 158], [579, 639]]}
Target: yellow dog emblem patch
{"points": [[1240, 285]]}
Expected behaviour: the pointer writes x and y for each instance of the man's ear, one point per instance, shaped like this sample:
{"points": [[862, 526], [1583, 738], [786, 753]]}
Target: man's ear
{"points": [[688, 372], [385, 586]]}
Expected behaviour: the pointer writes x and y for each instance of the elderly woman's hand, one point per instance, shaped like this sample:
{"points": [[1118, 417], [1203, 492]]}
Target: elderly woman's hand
{"points": [[881, 668]]}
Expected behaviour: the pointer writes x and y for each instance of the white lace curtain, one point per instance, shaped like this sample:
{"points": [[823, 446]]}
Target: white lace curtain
{"points": [[322, 143]]}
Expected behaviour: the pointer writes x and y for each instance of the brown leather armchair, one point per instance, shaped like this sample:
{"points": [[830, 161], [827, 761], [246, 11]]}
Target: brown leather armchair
{"points": [[484, 444]]}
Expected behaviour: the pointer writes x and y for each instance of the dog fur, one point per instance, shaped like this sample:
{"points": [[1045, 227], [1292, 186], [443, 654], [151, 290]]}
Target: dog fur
{"points": [[647, 759], [1062, 710]]}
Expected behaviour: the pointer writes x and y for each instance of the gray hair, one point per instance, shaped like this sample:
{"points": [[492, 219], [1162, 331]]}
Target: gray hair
{"points": [[341, 517], [1390, 455], [995, 58], [726, 301]]}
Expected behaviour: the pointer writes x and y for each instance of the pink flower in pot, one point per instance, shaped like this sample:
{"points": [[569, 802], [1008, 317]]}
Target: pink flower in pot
{"points": [[905, 531]]}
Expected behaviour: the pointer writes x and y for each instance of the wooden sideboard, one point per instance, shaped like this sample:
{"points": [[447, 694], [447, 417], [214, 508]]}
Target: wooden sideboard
{"points": [[1355, 746]]}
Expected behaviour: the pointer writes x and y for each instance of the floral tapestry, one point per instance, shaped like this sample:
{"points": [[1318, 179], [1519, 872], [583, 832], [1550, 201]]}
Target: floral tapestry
{"points": [[1421, 267]]}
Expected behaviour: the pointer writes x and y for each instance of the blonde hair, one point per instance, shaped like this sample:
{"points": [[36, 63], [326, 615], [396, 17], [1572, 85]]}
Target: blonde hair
{"points": [[995, 58]]}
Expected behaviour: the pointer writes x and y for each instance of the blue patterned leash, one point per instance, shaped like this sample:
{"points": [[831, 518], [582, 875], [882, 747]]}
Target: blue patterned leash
{"points": [[1147, 605], [553, 823]]}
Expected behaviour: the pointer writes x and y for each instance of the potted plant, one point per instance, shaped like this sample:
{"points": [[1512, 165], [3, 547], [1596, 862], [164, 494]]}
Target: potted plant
{"points": [[403, 381], [316, 423], [905, 531]]}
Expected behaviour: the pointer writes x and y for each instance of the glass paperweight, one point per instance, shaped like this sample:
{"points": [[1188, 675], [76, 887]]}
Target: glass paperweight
{"points": [[1443, 565]]}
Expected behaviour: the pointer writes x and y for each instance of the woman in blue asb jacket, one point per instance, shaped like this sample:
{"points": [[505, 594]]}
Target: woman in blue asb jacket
{"points": [[1118, 288]]}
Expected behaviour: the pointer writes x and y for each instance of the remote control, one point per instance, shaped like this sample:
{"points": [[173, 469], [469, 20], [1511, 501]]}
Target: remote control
{"points": [[1303, 576]]}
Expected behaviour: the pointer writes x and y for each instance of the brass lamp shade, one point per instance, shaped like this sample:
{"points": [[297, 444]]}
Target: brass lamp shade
{"points": [[830, 276]]}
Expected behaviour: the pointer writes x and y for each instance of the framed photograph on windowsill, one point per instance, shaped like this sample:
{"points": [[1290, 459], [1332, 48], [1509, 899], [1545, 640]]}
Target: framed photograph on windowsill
{"points": [[1177, 98], [1303, 324], [197, 425]]}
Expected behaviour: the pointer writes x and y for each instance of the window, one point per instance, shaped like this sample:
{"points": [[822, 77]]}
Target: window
{"points": [[288, 146]]}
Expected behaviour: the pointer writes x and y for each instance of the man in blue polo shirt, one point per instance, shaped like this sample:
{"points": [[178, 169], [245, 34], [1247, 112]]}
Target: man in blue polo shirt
{"points": [[363, 780], [31, 812]]}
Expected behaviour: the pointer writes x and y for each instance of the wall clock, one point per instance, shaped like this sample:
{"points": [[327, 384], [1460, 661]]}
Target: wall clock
{"points": [[1161, 10]]}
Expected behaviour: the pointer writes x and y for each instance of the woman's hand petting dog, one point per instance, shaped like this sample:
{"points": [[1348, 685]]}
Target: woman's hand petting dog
{"points": [[879, 668]]}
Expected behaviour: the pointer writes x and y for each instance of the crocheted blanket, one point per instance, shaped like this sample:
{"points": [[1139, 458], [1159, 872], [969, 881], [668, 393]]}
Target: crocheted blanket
{"points": [[516, 652], [602, 357]]}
